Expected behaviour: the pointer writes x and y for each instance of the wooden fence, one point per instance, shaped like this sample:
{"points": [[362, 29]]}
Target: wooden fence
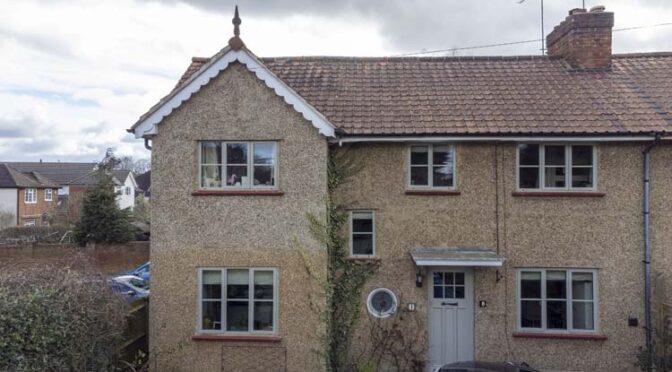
{"points": [[136, 346]]}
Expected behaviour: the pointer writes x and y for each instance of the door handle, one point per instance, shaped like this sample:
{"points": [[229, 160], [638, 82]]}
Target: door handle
{"points": [[449, 303]]}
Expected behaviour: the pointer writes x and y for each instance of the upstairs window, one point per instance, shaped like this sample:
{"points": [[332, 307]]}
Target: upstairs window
{"points": [[48, 195], [30, 196], [237, 165], [556, 167], [432, 166], [362, 234], [128, 190]]}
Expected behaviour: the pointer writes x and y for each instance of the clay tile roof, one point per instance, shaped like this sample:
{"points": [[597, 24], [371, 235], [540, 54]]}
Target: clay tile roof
{"points": [[60, 172], [481, 95], [12, 178]]}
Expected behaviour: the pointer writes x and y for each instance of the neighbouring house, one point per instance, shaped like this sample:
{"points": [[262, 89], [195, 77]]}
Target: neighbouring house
{"points": [[502, 198], [144, 182], [26, 198], [60, 172], [124, 185]]}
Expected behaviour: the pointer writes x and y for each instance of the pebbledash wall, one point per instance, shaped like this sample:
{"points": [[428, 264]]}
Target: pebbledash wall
{"points": [[565, 232], [190, 231]]}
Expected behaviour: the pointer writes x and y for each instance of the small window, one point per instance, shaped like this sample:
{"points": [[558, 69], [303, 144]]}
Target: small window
{"points": [[556, 167], [241, 300], [128, 190], [449, 285], [381, 303], [238, 164], [29, 222], [30, 196], [48, 195], [362, 233], [557, 300], [432, 166]]}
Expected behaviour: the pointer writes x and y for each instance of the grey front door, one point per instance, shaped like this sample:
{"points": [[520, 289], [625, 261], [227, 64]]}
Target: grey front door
{"points": [[451, 316]]}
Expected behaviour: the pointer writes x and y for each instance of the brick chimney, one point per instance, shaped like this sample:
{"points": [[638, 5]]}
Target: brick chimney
{"points": [[583, 39]]}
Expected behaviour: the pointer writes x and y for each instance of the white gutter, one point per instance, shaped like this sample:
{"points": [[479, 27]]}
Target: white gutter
{"points": [[466, 263], [356, 139]]}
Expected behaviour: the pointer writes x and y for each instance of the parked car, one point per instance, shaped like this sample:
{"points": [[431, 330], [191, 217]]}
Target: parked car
{"points": [[131, 287], [141, 271], [486, 367]]}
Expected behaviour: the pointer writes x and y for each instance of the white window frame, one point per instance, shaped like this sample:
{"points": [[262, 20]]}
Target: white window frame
{"points": [[30, 195], [383, 315], [30, 222], [372, 233], [250, 166], [430, 167], [48, 195], [568, 168], [250, 325], [568, 282]]}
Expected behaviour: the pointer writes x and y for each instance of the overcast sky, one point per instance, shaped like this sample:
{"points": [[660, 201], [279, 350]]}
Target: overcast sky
{"points": [[75, 74]]}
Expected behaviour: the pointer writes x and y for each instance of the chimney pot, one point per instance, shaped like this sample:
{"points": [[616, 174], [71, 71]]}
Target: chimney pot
{"points": [[598, 9], [577, 11]]}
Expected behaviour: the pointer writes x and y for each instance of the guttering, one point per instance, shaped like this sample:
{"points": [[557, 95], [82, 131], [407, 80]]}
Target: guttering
{"points": [[646, 211], [524, 138]]}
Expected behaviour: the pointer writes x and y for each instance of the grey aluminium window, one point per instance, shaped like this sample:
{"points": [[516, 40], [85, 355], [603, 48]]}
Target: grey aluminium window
{"points": [[362, 233], [556, 167], [237, 164], [431, 166]]}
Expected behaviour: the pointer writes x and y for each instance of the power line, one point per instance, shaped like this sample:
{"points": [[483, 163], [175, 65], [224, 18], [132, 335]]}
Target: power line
{"points": [[520, 42]]}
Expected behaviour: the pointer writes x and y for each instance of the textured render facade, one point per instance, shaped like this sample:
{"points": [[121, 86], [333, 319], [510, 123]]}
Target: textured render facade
{"points": [[194, 231], [481, 108]]}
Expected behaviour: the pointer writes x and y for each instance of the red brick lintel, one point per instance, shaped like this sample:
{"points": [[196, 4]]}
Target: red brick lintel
{"points": [[561, 336], [553, 194], [432, 192], [237, 338], [237, 193]]}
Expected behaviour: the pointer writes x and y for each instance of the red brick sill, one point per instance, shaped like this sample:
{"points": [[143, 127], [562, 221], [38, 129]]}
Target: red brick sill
{"points": [[239, 338], [237, 193], [561, 336], [560, 194], [433, 192]]}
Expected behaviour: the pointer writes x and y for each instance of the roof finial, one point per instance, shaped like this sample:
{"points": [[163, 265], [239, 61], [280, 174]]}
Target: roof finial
{"points": [[236, 42]]}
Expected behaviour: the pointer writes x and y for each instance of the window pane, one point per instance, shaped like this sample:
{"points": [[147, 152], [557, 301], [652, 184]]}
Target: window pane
{"points": [[419, 155], [362, 222], [459, 292], [382, 302], [438, 278], [582, 286], [556, 314], [237, 283], [263, 285], [554, 155], [236, 153], [237, 176], [582, 315], [449, 278], [528, 154], [554, 177], [419, 176], [210, 176], [459, 278], [443, 176], [529, 178], [263, 316], [582, 177], [362, 244], [263, 175], [264, 153], [556, 285], [237, 316], [438, 291], [530, 284], [442, 155], [211, 153], [212, 284], [530, 314], [212, 315], [449, 292], [582, 155]]}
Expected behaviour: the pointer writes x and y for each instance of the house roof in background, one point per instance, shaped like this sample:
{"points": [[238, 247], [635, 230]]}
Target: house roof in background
{"points": [[480, 95], [91, 179], [144, 181], [60, 172], [13, 178]]}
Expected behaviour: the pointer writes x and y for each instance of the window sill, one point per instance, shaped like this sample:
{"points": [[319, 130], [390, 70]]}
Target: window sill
{"points": [[554, 194], [237, 193], [561, 336], [363, 258], [432, 192], [237, 338]]}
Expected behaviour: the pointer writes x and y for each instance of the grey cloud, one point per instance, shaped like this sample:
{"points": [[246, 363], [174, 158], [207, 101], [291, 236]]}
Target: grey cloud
{"points": [[39, 42], [18, 127]]}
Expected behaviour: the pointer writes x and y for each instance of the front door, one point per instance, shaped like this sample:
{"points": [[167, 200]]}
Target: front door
{"points": [[451, 316]]}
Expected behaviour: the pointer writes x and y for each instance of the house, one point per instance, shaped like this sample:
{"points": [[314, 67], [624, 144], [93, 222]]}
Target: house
{"points": [[124, 185], [500, 197], [26, 198], [60, 172], [144, 182]]}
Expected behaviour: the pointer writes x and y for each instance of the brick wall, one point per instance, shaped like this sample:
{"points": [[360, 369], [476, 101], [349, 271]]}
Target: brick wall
{"points": [[37, 209], [583, 39]]}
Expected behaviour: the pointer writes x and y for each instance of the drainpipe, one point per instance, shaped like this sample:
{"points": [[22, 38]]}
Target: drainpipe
{"points": [[147, 145], [647, 243]]}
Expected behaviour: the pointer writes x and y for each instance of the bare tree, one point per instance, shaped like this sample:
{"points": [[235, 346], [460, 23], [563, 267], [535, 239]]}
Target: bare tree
{"points": [[137, 166]]}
